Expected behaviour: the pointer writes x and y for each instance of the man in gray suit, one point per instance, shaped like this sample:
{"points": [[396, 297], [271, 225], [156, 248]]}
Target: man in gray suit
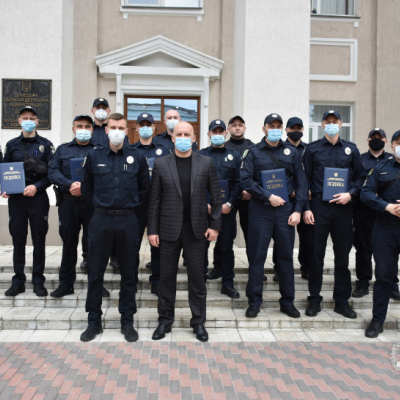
{"points": [[178, 214]]}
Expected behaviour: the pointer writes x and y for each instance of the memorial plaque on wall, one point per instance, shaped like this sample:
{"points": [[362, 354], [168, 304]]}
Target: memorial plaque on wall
{"points": [[18, 93]]}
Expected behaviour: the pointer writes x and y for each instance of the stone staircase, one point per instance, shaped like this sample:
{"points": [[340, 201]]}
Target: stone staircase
{"points": [[27, 311]]}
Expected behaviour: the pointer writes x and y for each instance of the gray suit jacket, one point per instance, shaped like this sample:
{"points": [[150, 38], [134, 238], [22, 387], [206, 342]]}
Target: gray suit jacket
{"points": [[166, 204]]}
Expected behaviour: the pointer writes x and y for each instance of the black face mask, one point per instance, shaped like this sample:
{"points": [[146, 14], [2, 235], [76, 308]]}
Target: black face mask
{"points": [[295, 136], [376, 144]]}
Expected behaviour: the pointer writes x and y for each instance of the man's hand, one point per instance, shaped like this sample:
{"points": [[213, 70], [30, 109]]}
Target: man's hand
{"points": [[5, 195], [341, 198], [209, 208], [211, 234], [276, 201], [75, 189], [30, 191], [246, 195], [226, 209], [154, 240], [294, 219], [394, 209], [308, 217]]}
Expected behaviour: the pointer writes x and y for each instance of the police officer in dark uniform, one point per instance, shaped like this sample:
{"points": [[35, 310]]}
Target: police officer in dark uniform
{"points": [[227, 163], [270, 216], [381, 192], [33, 205], [145, 127], [335, 216], [171, 118], [73, 209], [294, 131], [364, 219], [115, 181]]}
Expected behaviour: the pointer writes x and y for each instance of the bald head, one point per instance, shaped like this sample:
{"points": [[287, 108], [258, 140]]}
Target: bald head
{"points": [[183, 129], [171, 114]]}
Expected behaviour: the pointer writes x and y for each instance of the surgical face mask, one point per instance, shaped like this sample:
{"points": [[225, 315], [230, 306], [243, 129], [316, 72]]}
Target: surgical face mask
{"points": [[83, 135], [274, 135], [171, 123], [295, 136], [145, 132], [28, 125], [376, 144], [331, 129], [397, 148], [218, 140], [183, 144], [100, 114], [116, 136]]}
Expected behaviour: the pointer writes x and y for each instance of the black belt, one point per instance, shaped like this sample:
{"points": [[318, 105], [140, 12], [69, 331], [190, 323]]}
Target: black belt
{"points": [[114, 213], [68, 196], [316, 195]]}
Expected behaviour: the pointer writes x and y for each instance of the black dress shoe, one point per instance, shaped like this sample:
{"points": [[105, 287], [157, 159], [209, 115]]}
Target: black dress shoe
{"points": [[395, 295], [230, 291], [214, 274], [84, 266], [40, 290], [290, 310], [90, 333], [305, 275], [345, 310], [276, 277], [105, 293], [201, 333], [160, 332], [374, 328], [15, 289], [148, 265], [130, 333], [265, 278], [359, 292], [154, 289], [252, 311], [62, 291], [313, 309]]}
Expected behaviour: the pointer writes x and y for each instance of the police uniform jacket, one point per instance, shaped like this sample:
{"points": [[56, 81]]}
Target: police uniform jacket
{"points": [[258, 159], [344, 154], [115, 181], [227, 162], [381, 189], [165, 139], [60, 168], [240, 145], [99, 135], [38, 147]]}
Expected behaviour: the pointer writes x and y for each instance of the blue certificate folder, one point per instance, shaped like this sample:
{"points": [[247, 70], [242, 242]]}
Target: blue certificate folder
{"points": [[224, 185], [12, 178], [274, 181], [335, 181], [76, 165]]}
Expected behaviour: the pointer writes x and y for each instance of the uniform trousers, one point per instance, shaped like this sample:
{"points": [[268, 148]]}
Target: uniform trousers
{"points": [[337, 220], [243, 209], [35, 210], [266, 222], [72, 215], [386, 250], [105, 234], [194, 255]]}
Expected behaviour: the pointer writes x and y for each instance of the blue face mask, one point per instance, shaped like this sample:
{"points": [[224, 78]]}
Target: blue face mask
{"points": [[218, 140], [28, 126], [274, 135], [331, 129], [183, 144], [83, 135], [145, 132]]}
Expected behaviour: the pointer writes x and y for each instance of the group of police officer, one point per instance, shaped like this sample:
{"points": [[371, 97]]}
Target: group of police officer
{"points": [[110, 205]]}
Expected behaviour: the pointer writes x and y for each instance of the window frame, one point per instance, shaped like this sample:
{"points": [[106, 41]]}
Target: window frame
{"points": [[316, 4]]}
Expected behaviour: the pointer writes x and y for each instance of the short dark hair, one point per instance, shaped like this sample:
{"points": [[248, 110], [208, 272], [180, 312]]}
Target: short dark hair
{"points": [[117, 117]]}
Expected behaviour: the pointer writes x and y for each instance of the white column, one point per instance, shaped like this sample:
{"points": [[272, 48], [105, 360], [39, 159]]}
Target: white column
{"points": [[204, 101]]}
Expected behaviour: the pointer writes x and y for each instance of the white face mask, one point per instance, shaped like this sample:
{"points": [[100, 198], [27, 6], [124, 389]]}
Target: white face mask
{"points": [[116, 136], [171, 123], [100, 114], [397, 149]]}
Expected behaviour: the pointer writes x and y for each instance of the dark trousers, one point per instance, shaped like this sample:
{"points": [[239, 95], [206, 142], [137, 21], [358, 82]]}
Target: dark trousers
{"points": [[72, 215], [305, 233], [386, 250], [243, 209], [266, 222], [105, 234], [194, 255], [224, 257], [34, 210], [336, 220], [141, 214]]}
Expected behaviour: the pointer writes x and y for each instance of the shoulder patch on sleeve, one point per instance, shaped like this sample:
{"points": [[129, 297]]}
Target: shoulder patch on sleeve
{"points": [[245, 154], [84, 162]]}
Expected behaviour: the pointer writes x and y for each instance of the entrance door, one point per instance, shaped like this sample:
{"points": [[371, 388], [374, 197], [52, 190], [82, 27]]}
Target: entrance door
{"points": [[157, 106]]}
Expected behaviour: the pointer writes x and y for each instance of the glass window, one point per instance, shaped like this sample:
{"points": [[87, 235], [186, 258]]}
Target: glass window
{"points": [[187, 108], [165, 3], [136, 106], [332, 7]]}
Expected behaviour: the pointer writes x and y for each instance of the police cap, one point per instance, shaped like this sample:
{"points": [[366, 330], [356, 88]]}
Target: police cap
{"points": [[217, 123]]}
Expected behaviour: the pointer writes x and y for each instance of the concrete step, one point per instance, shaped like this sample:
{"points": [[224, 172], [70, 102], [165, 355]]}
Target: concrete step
{"points": [[20, 318]]}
